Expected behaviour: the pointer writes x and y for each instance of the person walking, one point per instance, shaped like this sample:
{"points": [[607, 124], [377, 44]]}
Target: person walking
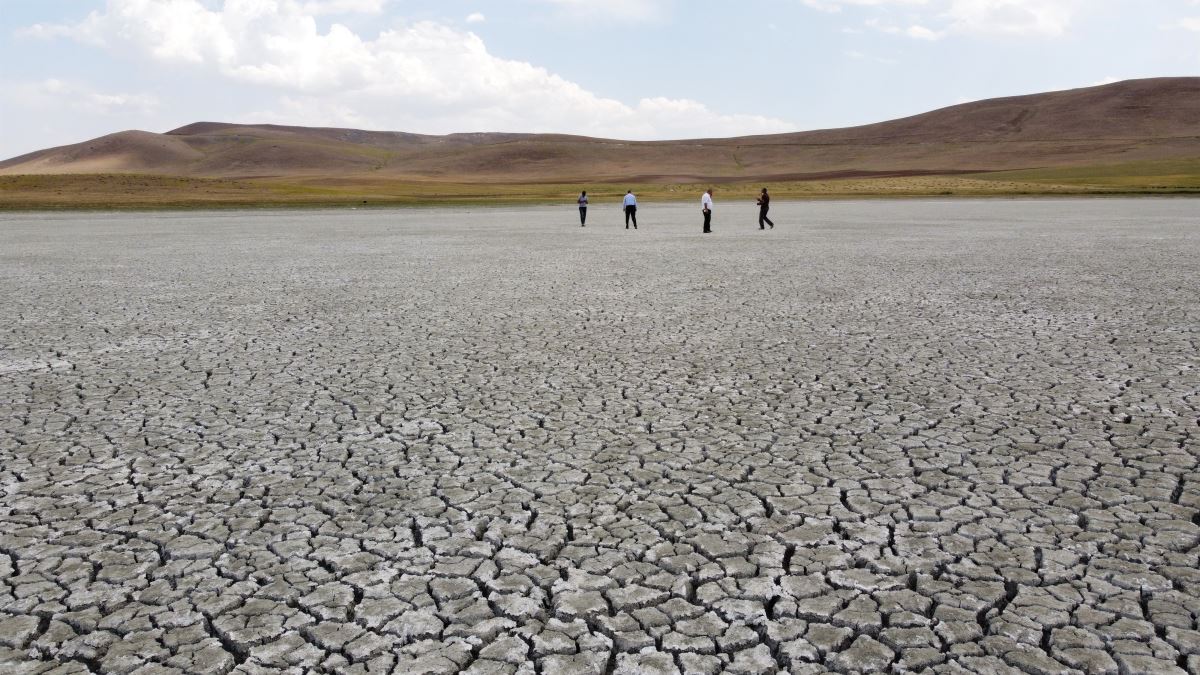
{"points": [[706, 207], [583, 203], [764, 205], [630, 209]]}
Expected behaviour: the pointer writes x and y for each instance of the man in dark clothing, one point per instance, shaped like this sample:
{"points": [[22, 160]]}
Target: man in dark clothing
{"points": [[583, 204], [764, 205]]}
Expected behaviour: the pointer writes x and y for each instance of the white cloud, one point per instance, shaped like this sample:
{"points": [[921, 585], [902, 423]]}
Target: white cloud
{"points": [[994, 17], [838, 5], [615, 10], [860, 56], [922, 33], [476, 17], [1012, 17], [343, 6], [45, 31], [54, 93], [1190, 23], [420, 77], [915, 31]]}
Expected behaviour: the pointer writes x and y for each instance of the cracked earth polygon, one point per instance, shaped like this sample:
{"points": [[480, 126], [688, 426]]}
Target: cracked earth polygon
{"points": [[939, 436]]}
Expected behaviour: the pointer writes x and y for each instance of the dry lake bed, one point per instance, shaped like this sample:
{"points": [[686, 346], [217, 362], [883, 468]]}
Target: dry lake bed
{"points": [[940, 436]]}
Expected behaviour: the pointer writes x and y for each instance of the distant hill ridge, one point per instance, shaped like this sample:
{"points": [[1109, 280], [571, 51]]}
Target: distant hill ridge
{"points": [[1136, 120]]}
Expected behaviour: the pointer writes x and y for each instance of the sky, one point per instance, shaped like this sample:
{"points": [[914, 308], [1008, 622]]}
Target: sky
{"points": [[71, 70]]}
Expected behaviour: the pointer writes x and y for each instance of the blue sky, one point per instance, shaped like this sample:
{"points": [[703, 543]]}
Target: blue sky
{"points": [[638, 69]]}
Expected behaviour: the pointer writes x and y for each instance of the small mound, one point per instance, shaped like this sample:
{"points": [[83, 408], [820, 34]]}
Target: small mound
{"points": [[122, 152]]}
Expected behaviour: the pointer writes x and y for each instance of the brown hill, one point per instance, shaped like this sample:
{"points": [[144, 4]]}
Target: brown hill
{"points": [[1135, 109], [1138, 120], [122, 152]]}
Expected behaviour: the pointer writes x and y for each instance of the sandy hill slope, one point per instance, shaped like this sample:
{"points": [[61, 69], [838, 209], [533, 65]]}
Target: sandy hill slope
{"points": [[1139, 120], [122, 152]]}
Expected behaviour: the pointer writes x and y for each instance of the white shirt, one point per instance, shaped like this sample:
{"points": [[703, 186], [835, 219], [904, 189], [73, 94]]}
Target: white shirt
{"points": [[706, 201], [630, 200]]}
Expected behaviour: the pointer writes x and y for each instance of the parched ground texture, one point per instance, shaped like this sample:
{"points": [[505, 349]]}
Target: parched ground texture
{"points": [[919, 436]]}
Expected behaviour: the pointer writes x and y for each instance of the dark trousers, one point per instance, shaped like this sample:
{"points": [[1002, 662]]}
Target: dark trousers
{"points": [[762, 218], [631, 212], [708, 221], [582, 216]]}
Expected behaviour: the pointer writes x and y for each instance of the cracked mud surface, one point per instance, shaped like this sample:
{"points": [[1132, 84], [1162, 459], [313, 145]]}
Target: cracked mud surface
{"points": [[945, 437]]}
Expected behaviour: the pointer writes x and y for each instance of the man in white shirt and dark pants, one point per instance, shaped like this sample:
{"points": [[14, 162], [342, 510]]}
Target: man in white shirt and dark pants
{"points": [[630, 209], [706, 206]]}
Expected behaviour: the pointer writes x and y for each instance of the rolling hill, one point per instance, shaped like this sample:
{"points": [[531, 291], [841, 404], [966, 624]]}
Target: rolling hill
{"points": [[1132, 123]]}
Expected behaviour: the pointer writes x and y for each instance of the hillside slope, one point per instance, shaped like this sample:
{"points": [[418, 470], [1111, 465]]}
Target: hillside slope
{"points": [[1133, 121]]}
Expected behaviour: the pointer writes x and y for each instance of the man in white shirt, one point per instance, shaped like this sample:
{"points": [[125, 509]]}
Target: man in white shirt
{"points": [[630, 209], [706, 206]]}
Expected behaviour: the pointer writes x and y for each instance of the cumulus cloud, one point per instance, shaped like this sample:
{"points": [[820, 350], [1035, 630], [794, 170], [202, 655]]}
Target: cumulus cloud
{"points": [[1190, 23], [422, 76], [476, 17]]}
